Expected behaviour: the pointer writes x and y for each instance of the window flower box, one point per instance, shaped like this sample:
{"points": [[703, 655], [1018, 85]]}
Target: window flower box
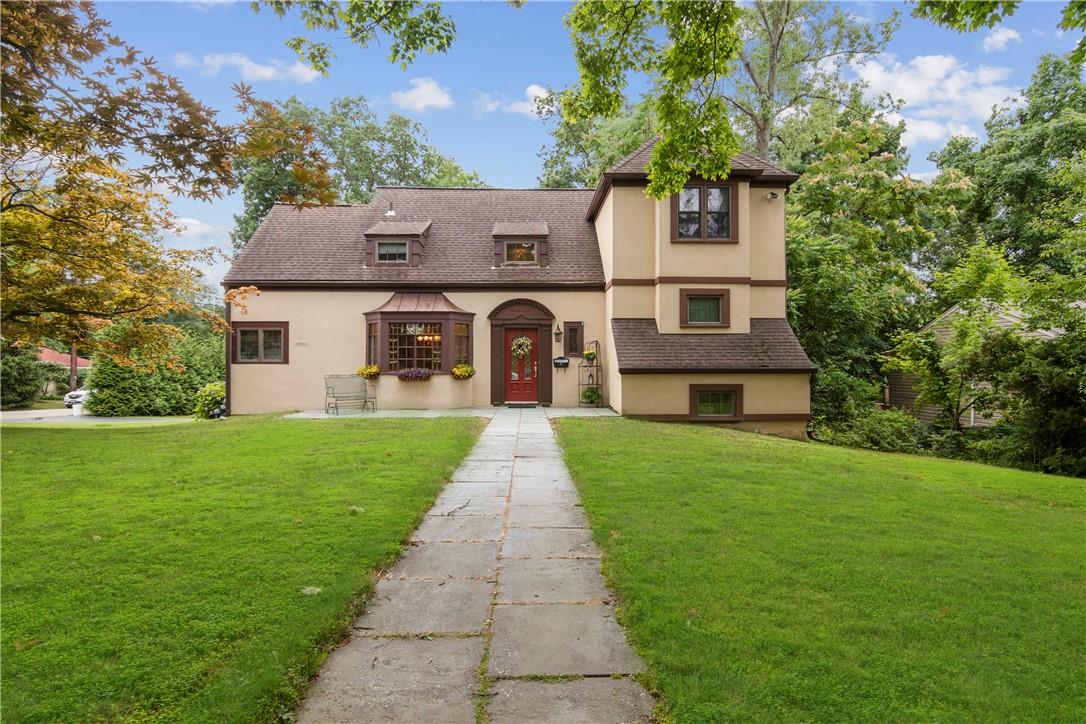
{"points": [[415, 374]]}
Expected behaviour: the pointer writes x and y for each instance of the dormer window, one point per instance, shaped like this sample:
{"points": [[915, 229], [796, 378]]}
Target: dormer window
{"points": [[392, 252], [520, 252], [705, 212]]}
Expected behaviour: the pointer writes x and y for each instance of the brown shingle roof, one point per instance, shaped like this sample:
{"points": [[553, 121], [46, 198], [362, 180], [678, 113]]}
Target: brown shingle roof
{"points": [[771, 345], [418, 302], [387, 227], [520, 228], [326, 245], [638, 161]]}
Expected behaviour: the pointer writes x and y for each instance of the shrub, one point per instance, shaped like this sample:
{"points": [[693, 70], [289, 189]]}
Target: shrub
{"points": [[838, 396], [210, 401], [885, 430], [121, 391], [20, 378]]}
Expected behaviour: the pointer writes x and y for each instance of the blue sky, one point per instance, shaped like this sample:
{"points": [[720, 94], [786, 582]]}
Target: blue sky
{"points": [[475, 99]]}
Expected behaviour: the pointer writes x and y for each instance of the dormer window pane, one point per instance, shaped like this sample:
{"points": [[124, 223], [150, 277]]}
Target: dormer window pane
{"points": [[718, 214], [391, 252], [690, 213], [520, 252]]}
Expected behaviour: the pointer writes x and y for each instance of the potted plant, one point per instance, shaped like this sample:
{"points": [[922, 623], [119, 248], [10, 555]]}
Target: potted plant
{"points": [[589, 355], [591, 396], [369, 372], [463, 371], [415, 374]]}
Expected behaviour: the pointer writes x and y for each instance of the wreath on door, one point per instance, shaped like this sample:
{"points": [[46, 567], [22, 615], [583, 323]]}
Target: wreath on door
{"points": [[521, 347]]}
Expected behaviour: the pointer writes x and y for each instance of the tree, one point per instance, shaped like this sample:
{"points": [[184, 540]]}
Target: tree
{"points": [[792, 55], [967, 16], [20, 377], [364, 153], [1014, 171], [854, 227], [581, 152]]}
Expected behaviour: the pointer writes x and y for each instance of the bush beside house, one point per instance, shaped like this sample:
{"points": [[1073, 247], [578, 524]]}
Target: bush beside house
{"points": [[122, 391]]}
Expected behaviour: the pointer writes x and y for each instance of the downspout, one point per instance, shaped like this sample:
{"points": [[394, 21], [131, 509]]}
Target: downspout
{"points": [[228, 345]]}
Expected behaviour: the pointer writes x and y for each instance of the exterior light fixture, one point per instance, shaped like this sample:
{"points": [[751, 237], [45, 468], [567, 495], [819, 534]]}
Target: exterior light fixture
{"points": [[558, 333], [773, 196]]}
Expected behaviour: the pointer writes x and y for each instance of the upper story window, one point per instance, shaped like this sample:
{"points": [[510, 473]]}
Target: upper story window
{"points": [[520, 252], [704, 308], [392, 252], [260, 342], [705, 212]]}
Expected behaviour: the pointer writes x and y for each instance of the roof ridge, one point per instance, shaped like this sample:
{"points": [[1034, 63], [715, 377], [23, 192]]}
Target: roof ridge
{"points": [[639, 149]]}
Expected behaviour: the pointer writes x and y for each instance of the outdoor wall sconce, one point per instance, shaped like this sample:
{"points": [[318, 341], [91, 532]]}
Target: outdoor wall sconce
{"points": [[773, 196], [558, 333]]}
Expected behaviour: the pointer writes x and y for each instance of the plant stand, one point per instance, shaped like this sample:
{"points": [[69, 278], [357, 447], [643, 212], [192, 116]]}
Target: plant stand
{"points": [[590, 376]]}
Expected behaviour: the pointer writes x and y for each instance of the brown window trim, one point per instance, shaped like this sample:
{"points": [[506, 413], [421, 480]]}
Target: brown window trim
{"points": [[566, 326], [234, 342], [505, 253], [737, 389], [725, 308], [377, 251], [448, 337], [733, 214], [540, 251]]}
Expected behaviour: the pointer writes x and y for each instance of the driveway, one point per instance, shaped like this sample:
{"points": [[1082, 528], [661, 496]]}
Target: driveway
{"points": [[64, 416]]}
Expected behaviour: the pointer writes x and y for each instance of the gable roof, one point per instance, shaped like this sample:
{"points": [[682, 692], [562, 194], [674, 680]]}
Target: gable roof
{"points": [[770, 346], [635, 167], [325, 246], [45, 354]]}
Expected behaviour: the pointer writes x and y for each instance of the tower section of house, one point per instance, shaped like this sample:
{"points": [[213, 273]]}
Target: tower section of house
{"points": [[695, 298], [684, 296]]}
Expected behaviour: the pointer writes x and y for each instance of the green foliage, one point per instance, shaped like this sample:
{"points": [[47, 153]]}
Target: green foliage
{"points": [[838, 396], [410, 26], [364, 153], [580, 152], [872, 429], [20, 378], [209, 399], [186, 547], [682, 47], [591, 396], [860, 585], [792, 56], [971, 15], [123, 391], [56, 375]]}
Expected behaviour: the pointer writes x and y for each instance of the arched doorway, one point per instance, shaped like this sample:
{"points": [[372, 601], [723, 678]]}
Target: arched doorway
{"points": [[520, 352]]}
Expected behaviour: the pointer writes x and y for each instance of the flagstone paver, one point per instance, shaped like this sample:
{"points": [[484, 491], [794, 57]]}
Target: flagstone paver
{"points": [[505, 551]]}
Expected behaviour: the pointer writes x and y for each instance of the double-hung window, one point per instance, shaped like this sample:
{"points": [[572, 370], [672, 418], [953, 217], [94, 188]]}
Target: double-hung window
{"points": [[392, 252], [705, 212], [260, 342]]}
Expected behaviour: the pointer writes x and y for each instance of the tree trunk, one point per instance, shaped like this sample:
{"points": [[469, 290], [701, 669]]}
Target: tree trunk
{"points": [[761, 141], [73, 368]]}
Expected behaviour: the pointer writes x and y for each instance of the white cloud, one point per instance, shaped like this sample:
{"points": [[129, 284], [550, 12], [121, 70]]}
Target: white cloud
{"points": [[526, 107], [942, 96], [250, 70], [425, 93], [999, 38], [485, 102], [925, 176], [201, 231]]}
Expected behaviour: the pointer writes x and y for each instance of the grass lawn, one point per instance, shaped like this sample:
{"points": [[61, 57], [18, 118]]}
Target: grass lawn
{"points": [[772, 580], [156, 572]]}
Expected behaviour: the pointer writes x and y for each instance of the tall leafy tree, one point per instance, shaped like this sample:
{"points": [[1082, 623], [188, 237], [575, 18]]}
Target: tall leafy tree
{"points": [[792, 55], [580, 152], [363, 153]]}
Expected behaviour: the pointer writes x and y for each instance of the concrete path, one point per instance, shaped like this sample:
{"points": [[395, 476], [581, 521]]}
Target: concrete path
{"points": [[550, 412], [500, 587]]}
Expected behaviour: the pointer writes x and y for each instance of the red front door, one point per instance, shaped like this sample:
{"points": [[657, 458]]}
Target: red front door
{"points": [[521, 365]]}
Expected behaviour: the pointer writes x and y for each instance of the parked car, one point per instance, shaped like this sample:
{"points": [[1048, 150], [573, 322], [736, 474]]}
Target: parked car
{"points": [[77, 397]]}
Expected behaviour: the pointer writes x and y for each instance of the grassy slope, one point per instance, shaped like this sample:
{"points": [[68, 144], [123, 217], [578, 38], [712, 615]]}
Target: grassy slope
{"points": [[155, 572], [766, 579]]}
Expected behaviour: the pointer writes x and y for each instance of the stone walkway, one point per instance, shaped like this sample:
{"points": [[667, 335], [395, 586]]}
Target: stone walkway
{"points": [[499, 588]]}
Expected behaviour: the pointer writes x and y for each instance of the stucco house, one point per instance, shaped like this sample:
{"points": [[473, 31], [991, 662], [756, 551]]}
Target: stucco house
{"points": [[683, 297]]}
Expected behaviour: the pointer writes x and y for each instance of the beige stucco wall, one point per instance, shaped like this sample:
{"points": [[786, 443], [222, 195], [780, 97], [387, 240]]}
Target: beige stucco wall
{"points": [[784, 393], [767, 257], [687, 259], [767, 302], [327, 336], [668, 312]]}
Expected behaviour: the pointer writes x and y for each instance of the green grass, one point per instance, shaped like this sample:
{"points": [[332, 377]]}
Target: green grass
{"points": [[155, 572], [771, 580]]}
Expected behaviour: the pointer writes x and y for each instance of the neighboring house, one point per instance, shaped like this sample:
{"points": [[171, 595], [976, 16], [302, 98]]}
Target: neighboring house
{"points": [[45, 354], [684, 296], [901, 386]]}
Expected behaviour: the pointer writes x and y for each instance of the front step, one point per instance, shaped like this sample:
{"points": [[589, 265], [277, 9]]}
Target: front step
{"points": [[521, 405]]}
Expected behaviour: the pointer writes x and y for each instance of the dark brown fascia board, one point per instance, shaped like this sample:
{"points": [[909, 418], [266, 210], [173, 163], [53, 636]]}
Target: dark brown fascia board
{"points": [[410, 286], [710, 371], [609, 179], [694, 280]]}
